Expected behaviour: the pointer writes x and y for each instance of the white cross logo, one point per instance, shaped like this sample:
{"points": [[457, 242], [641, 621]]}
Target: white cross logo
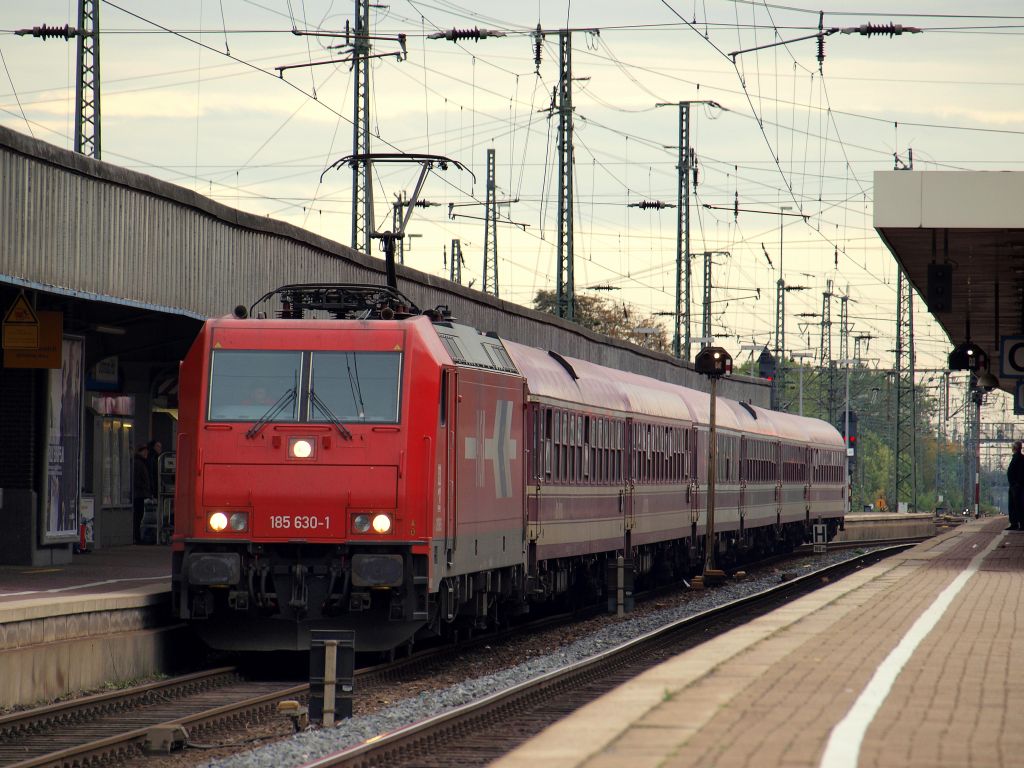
{"points": [[500, 449]]}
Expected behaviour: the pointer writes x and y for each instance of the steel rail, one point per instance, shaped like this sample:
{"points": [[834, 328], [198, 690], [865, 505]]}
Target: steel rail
{"points": [[440, 732], [130, 742]]}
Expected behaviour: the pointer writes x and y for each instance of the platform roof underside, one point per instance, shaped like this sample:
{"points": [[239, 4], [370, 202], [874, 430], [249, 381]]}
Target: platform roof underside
{"points": [[975, 221]]}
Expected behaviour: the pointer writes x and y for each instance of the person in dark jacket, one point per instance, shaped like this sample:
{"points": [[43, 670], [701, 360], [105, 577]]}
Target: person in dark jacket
{"points": [[142, 489], [154, 448], [1015, 478]]}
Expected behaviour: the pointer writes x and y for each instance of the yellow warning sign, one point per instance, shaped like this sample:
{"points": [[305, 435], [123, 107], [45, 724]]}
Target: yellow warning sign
{"points": [[21, 326], [48, 353]]}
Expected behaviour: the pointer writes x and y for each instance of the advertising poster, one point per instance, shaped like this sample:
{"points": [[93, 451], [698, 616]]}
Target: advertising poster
{"points": [[64, 446]]}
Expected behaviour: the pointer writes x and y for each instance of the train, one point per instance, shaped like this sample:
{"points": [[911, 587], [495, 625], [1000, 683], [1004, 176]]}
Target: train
{"points": [[355, 463]]}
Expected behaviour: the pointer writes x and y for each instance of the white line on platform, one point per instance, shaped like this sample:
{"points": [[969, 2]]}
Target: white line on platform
{"points": [[843, 748], [78, 586]]}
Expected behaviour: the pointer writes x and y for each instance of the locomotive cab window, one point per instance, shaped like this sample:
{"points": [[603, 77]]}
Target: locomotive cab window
{"points": [[263, 385], [355, 386], [248, 385]]}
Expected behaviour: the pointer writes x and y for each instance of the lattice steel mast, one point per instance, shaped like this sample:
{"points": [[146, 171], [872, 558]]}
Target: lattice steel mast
{"points": [[87, 88], [362, 226], [566, 290], [825, 353], [904, 440], [491, 231], [455, 274]]}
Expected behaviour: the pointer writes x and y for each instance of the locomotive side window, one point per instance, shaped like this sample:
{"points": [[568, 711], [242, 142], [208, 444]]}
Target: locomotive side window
{"points": [[356, 386], [247, 385]]}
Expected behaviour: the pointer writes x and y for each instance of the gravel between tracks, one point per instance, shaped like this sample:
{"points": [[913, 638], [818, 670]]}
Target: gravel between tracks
{"points": [[484, 671]]}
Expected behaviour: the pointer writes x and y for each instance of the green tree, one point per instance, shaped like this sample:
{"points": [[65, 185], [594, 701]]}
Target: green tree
{"points": [[620, 321]]}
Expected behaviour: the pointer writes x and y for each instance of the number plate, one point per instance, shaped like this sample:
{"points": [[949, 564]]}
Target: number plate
{"points": [[303, 524]]}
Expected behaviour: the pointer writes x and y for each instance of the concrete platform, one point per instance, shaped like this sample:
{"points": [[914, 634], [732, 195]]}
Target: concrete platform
{"points": [[861, 526], [103, 617], [915, 661]]}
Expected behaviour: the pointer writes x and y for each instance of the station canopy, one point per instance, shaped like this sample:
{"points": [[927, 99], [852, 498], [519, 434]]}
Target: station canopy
{"points": [[974, 222]]}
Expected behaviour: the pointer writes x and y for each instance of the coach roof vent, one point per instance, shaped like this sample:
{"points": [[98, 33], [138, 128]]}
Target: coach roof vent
{"points": [[564, 363]]}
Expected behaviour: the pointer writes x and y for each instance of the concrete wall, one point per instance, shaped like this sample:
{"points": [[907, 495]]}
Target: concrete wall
{"points": [[49, 649]]}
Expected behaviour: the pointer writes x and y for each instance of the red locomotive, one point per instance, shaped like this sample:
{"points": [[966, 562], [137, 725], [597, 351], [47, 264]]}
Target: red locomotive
{"points": [[393, 472]]}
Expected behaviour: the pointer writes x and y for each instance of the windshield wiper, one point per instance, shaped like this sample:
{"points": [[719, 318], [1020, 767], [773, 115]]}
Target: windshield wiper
{"points": [[319, 403], [353, 383], [272, 412]]}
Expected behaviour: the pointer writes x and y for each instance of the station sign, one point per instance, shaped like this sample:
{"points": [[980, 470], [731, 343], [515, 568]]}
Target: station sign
{"points": [[820, 538], [1011, 357]]}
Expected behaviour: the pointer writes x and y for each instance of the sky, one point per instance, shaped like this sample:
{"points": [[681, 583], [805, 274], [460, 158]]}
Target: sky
{"points": [[190, 94]]}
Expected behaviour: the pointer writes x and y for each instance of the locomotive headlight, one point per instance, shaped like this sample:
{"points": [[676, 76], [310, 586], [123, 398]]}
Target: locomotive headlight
{"points": [[218, 522], [381, 523], [239, 521], [301, 448], [361, 523]]}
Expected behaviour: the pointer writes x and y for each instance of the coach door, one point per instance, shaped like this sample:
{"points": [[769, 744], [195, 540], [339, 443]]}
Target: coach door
{"points": [[780, 476], [627, 442], [694, 449], [742, 474], [809, 455]]}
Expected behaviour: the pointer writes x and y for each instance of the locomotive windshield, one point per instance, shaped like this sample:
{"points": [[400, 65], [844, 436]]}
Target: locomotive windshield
{"points": [[253, 385], [355, 386], [244, 385]]}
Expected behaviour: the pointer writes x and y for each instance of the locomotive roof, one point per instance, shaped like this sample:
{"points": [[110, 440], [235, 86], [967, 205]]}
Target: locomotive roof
{"points": [[578, 381], [467, 346]]}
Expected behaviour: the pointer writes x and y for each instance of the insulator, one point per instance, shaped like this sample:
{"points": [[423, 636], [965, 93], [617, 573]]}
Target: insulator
{"points": [[890, 29], [457, 35], [821, 41], [538, 39], [46, 31]]}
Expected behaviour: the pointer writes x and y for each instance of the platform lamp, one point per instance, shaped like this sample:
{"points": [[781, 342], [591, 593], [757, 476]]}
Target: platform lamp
{"points": [[713, 362]]}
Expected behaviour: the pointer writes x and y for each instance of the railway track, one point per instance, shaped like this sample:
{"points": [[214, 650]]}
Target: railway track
{"points": [[480, 732], [114, 727]]}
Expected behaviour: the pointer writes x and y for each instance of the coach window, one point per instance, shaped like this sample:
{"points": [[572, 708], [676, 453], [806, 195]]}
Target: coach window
{"points": [[581, 445], [556, 435], [547, 443], [574, 443], [646, 458], [634, 453], [538, 443], [565, 448], [248, 385], [606, 442], [588, 449]]}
